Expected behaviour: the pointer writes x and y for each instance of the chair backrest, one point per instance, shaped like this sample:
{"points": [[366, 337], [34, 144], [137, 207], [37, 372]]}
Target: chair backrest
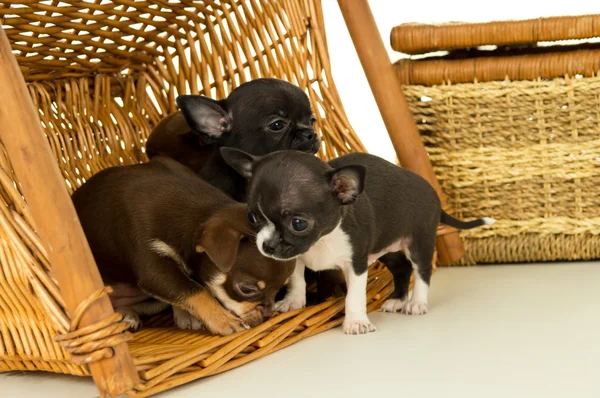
{"points": [[104, 72]]}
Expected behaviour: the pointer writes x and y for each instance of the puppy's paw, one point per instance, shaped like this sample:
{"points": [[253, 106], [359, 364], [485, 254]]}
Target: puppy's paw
{"points": [[358, 325], [131, 318], [415, 308], [224, 323], [186, 321], [290, 304], [393, 305]]}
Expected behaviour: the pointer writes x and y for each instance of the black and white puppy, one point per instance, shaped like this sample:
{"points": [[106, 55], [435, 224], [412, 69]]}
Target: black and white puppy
{"points": [[338, 215], [259, 117]]}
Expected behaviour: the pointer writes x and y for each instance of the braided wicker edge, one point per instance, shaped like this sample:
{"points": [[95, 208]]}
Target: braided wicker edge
{"points": [[169, 357], [489, 66], [528, 248], [421, 38]]}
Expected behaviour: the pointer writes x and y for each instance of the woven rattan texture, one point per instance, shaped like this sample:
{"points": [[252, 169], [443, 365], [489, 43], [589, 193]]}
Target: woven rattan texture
{"points": [[102, 74], [524, 152], [420, 38]]}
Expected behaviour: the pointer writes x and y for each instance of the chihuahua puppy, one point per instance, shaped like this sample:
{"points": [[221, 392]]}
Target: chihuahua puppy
{"points": [[173, 137], [146, 225], [258, 117], [336, 215], [248, 289]]}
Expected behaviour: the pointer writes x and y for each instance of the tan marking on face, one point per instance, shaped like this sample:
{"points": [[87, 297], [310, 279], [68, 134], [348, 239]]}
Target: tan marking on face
{"points": [[261, 285], [240, 308]]}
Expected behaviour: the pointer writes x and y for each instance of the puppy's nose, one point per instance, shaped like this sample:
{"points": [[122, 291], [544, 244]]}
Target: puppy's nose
{"points": [[269, 246], [308, 134], [267, 312]]}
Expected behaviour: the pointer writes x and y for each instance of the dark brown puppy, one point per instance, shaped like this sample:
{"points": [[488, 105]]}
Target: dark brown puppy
{"points": [[146, 223], [174, 138], [248, 289], [258, 117]]}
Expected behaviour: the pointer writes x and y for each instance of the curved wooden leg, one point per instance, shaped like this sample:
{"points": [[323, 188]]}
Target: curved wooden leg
{"points": [[394, 110], [55, 217]]}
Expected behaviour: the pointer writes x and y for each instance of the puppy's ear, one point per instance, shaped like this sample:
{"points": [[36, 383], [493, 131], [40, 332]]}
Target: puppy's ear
{"points": [[222, 234], [221, 242], [205, 115], [240, 161], [347, 182]]}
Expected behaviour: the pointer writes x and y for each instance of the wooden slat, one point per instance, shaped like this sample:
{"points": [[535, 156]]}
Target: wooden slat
{"points": [[394, 109], [55, 217]]}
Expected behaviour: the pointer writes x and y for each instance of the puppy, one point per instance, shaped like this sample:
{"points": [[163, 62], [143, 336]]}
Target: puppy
{"points": [[146, 225], [336, 215], [259, 117], [248, 289], [172, 137]]}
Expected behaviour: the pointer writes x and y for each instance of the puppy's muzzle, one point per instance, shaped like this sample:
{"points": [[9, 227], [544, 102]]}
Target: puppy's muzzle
{"points": [[306, 140], [270, 246], [266, 312], [308, 134], [257, 316]]}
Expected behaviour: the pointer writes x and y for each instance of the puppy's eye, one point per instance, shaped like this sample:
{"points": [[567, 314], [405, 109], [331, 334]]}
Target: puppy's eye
{"points": [[299, 224], [251, 218], [277, 125], [247, 289]]}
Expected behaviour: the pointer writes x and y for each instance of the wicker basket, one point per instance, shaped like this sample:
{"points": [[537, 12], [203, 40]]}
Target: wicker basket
{"points": [[102, 74], [522, 122]]}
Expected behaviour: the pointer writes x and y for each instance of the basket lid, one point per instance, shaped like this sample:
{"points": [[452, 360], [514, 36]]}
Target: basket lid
{"points": [[421, 38]]}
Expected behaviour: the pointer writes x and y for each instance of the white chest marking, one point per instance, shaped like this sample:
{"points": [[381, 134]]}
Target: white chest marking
{"points": [[401, 244], [335, 250], [331, 251]]}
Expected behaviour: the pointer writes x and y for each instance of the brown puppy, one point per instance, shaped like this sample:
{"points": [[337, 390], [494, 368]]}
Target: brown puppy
{"points": [[146, 223], [174, 138], [248, 289]]}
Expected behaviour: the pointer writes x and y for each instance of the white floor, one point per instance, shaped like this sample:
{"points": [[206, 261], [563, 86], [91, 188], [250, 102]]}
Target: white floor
{"points": [[501, 331]]}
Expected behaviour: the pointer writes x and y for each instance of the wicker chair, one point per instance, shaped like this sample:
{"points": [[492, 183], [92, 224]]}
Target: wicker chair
{"points": [[99, 74]]}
